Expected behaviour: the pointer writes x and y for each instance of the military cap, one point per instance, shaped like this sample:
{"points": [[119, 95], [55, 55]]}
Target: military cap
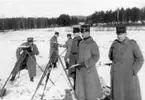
{"points": [[68, 35], [30, 39], [85, 28], [57, 33], [120, 29], [76, 29]]}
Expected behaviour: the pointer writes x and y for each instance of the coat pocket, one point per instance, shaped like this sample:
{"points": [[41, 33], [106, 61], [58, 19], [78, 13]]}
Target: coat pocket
{"points": [[89, 70]]}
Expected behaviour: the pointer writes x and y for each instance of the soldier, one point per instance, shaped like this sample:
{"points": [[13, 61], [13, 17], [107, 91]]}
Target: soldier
{"points": [[127, 60], [54, 48], [73, 58], [88, 85], [67, 45], [28, 62]]}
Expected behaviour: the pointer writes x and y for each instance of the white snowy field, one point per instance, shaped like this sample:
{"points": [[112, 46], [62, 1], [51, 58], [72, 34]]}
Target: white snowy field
{"points": [[23, 89]]}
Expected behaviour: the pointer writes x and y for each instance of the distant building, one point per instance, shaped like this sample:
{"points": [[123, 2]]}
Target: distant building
{"points": [[81, 23]]}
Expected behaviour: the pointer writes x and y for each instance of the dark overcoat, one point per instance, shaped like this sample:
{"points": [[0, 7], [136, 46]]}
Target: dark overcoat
{"points": [[54, 48], [127, 60], [87, 80], [74, 53], [31, 60], [68, 45]]}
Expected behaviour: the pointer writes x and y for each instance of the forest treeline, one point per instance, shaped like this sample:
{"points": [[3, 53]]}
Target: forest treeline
{"points": [[129, 15], [30, 22]]}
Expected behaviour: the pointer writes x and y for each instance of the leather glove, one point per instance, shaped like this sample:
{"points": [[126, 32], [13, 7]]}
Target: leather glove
{"points": [[82, 64]]}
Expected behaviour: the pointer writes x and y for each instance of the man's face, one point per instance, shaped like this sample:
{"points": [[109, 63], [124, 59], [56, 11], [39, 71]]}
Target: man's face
{"points": [[76, 34], [121, 37], [68, 37], [57, 35], [85, 34], [30, 43]]}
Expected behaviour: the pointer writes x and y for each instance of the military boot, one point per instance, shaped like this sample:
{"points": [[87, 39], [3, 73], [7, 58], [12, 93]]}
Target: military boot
{"points": [[54, 65], [67, 65], [31, 79]]}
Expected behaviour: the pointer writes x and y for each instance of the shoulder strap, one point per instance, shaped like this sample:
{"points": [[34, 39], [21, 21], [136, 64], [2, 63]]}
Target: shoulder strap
{"points": [[133, 41]]}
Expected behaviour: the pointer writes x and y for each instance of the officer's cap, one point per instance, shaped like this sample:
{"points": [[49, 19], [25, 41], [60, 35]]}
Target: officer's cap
{"points": [[85, 28], [30, 39], [57, 33], [68, 35], [120, 29], [76, 29]]}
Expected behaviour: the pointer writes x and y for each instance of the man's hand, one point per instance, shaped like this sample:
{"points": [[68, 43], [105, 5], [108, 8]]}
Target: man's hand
{"points": [[81, 65], [32, 48], [60, 45], [67, 60], [108, 64]]}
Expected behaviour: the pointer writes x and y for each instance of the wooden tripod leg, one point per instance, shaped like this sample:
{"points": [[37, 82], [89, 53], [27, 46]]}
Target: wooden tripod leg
{"points": [[68, 77]]}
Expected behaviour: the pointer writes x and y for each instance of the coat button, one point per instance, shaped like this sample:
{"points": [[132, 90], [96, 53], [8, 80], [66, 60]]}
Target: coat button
{"points": [[121, 62]]}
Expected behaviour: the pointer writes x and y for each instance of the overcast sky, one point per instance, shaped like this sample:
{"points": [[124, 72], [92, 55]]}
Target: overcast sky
{"points": [[53, 8]]}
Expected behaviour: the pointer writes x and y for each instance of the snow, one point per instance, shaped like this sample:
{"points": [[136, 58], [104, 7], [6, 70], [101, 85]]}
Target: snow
{"points": [[23, 89]]}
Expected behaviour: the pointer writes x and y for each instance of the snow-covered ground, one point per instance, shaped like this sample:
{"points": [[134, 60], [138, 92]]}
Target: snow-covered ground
{"points": [[23, 89]]}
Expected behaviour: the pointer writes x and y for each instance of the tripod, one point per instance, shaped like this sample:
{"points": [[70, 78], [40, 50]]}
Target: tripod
{"points": [[47, 73], [17, 68]]}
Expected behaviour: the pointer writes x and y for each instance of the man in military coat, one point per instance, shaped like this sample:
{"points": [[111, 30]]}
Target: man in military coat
{"points": [[54, 49], [67, 45], [74, 52], [29, 62], [88, 85], [127, 60]]}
